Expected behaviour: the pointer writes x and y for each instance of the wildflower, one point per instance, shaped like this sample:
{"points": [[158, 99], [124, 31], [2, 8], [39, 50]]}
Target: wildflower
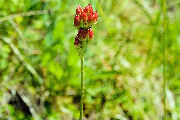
{"points": [[83, 21]]}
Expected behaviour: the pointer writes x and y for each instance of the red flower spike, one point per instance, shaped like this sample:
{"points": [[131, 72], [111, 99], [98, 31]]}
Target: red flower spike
{"points": [[83, 20], [90, 33], [88, 9], [76, 20], [79, 10]]}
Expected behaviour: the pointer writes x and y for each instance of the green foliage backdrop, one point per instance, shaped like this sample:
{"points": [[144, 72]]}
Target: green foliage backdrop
{"points": [[40, 68]]}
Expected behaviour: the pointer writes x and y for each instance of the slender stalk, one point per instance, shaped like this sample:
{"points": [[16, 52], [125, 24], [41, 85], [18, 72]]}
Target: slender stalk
{"points": [[82, 86], [164, 58]]}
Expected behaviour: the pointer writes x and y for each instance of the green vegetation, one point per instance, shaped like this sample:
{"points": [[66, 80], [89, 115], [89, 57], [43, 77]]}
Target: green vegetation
{"points": [[123, 69]]}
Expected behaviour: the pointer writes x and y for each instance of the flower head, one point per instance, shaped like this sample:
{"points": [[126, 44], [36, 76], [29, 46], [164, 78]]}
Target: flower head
{"points": [[83, 21], [85, 18]]}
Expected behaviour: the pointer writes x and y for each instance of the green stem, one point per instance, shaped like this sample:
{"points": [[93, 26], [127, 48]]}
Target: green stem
{"points": [[164, 58], [82, 86]]}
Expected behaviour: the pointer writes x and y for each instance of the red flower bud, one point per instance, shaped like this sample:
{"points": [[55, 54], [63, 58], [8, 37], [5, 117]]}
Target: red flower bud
{"points": [[95, 16], [76, 20], [76, 42], [79, 10], [84, 16], [90, 18], [90, 33], [82, 33], [88, 9]]}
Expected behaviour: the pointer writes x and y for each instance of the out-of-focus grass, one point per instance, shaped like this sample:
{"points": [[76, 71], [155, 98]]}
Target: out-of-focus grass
{"points": [[123, 63]]}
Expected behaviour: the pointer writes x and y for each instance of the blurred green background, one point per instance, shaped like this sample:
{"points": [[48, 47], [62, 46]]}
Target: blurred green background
{"points": [[40, 68]]}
